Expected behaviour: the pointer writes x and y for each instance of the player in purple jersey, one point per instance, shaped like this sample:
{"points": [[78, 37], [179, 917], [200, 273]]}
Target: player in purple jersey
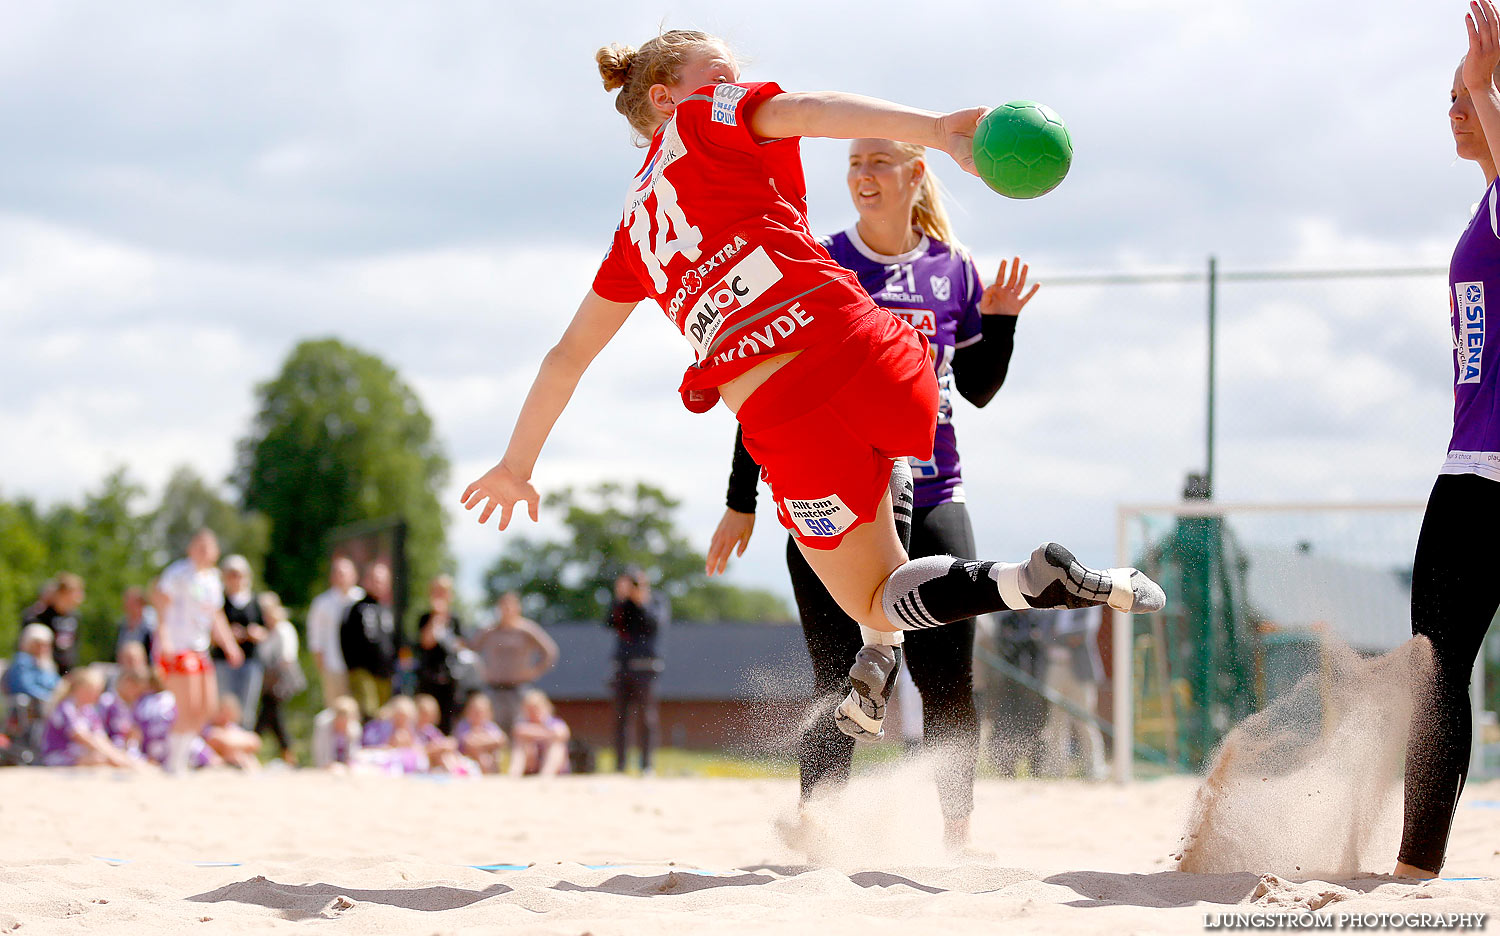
{"points": [[1453, 598], [903, 251]]}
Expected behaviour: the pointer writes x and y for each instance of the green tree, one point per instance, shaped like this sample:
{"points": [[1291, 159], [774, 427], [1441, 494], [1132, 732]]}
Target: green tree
{"points": [[108, 542], [611, 527], [339, 438], [188, 504], [23, 566]]}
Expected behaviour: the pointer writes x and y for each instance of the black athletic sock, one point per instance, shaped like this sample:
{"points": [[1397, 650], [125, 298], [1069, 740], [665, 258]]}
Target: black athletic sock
{"points": [[903, 496]]}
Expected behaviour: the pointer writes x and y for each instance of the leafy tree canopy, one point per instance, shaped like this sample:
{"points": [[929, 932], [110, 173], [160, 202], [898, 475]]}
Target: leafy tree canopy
{"points": [[340, 438]]}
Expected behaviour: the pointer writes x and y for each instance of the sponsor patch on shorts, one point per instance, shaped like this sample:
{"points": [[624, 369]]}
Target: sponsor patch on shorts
{"points": [[726, 97], [822, 516]]}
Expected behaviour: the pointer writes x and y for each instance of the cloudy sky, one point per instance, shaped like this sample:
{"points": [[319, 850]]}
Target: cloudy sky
{"points": [[187, 190]]}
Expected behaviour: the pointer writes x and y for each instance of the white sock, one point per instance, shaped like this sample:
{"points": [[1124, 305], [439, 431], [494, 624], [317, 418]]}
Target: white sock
{"points": [[880, 638]]}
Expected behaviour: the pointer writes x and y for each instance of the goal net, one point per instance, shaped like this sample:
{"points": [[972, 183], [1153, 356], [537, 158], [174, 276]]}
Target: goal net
{"points": [[1252, 592]]}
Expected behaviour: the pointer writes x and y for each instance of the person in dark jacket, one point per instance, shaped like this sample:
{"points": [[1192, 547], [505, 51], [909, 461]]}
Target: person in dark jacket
{"points": [[371, 641], [637, 621]]}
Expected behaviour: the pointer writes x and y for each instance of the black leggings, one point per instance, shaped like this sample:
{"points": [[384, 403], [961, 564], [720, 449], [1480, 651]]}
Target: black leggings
{"points": [[635, 690], [941, 661], [1453, 599]]}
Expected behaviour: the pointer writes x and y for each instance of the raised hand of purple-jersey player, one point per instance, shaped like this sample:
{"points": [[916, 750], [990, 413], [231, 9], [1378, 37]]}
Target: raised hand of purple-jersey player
{"points": [[1483, 24], [1008, 295]]}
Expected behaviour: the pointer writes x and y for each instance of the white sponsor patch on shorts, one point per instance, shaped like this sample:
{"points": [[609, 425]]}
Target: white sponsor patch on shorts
{"points": [[823, 516]]}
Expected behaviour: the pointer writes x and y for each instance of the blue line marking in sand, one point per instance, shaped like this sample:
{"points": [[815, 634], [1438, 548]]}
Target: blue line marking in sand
{"points": [[1483, 804], [1466, 879]]}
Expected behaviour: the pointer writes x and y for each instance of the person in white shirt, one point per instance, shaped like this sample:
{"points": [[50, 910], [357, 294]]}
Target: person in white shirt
{"points": [[324, 618], [189, 601]]}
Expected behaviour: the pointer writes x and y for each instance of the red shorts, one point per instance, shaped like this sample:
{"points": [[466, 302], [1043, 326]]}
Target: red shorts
{"points": [[826, 427], [186, 663]]}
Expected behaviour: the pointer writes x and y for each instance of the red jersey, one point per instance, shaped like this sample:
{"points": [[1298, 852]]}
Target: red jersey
{"points": [[715, 230]]}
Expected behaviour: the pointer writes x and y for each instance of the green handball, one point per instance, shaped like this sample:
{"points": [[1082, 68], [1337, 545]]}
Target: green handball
{"points": [[1022, 149]]}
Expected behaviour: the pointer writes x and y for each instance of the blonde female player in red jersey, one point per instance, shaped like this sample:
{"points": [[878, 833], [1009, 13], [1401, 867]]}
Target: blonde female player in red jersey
{"points": [[831, 391]]}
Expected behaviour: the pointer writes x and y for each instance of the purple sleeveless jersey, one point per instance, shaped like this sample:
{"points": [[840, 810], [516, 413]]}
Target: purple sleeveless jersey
{"points": [[937, 290], [1474, 276]]}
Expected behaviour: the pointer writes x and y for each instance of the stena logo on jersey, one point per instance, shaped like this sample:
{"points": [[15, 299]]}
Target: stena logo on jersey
{"points": [[1468, 330], [742, 285], [942, 288], [824, 516], [726, 98]]}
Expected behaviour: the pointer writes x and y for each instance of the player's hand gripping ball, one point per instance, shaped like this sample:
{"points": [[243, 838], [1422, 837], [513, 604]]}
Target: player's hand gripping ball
{"points": [[1022, 149]]}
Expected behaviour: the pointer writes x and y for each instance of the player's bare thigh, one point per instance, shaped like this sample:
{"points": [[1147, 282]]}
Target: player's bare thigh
{"points": [[855, 572], [735, 392]]}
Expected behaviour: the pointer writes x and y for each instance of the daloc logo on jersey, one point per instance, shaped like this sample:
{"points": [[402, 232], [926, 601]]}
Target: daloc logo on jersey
{"points": [[941, 287], [726, 96], [742, 285], [1468, 330]]}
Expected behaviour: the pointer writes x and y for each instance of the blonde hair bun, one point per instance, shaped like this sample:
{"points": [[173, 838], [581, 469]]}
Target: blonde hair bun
{"points": [[614, 64]]}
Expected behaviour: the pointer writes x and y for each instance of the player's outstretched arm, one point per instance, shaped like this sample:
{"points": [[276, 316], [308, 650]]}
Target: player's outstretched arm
{"points": [[1483, 24], [509, 482], [843, 116]]}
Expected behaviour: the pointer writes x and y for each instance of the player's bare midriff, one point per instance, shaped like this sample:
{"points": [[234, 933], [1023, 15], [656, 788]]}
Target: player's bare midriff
{"points": [[735, 392]]}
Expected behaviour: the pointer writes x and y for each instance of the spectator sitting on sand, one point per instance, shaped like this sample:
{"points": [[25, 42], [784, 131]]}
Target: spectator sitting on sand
{"points": [[74, 735], [539, 742], [119, 722], [236, 745], [477, 734], [442, 751], [32, 672], [390, 742], [131, 657], [335, 739]]}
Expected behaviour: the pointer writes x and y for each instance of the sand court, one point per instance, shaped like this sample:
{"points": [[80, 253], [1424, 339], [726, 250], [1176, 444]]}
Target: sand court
{"points": [[281, 851]]}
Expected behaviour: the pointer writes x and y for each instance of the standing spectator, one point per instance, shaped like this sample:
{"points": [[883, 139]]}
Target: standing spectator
{"points": [[437, 651], [515, 652], [637, 623], [325, 619], [32, 672], [1073, 669], [242, 612], [138, 625], [284, 678], [189, 600], [371, 641], [54, 609]]}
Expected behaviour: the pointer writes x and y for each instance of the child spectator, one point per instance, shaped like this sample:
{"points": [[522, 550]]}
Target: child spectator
{"points": [[442, 751], [74, 735], [539, 742], [236, 745], [131, 657], [477, 734], [336, 734], [32, 672], [390, 742], [119, 722]]}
